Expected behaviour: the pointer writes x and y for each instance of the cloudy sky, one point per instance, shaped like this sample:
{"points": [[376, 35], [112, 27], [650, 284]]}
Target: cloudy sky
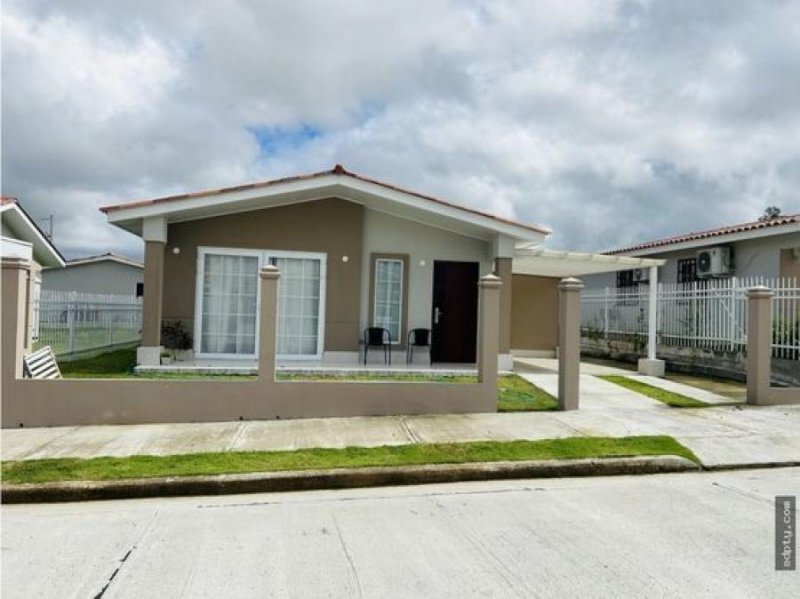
{"points": [[608, 121]]}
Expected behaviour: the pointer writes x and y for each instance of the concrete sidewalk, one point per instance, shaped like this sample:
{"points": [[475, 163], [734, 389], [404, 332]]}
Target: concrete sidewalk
{"points": [[726, 436]]}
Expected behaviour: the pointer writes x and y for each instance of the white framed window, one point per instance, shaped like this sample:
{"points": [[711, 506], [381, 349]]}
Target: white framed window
{"points": [[227, 302], [388, 300]]}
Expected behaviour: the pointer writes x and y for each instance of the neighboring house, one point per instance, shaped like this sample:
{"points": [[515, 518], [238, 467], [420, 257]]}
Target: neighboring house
{"points": [[768, 249], [21, 238], [105, 274]]}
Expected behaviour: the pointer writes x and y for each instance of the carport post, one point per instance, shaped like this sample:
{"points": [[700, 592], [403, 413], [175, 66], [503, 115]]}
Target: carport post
{"points": [[651, 365], [569, 343]]}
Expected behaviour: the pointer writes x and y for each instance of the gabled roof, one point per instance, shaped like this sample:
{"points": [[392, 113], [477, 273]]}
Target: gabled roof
{"points": [[760, 228], [109, 257], [302, 188], [17, 222]]}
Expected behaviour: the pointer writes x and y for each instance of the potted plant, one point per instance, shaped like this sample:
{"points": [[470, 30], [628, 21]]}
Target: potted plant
{"points": [[166, 358], [177, 340]]}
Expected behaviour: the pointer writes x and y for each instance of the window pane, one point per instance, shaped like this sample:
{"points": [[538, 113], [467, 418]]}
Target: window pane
{"points": [[298, 305], [229, 300], [388, 296]]}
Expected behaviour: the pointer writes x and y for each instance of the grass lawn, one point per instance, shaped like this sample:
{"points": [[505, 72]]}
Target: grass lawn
{"points": [[86, 338], [675, 400], [115, 364], [66, 469], [515, 394]]}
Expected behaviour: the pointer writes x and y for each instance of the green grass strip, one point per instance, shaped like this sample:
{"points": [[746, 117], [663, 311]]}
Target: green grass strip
{"points": [[675, 400], [108, 468], [515, 394]]}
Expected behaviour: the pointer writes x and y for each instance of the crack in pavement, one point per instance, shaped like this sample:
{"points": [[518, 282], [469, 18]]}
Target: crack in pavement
{"points": [[126, 556], [412, 436], [347, 555], [115, 572]]}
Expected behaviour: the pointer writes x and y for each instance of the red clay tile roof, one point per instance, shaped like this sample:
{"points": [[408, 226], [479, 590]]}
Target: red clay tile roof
{"points": [[336, 170], [711, 233], [5, 200]]}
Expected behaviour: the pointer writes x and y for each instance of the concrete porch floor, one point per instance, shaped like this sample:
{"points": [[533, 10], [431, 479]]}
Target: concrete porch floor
{"points": [[250, 367]]}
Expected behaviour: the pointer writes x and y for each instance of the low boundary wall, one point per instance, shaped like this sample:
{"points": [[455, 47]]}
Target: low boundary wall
{"points": [[108, 401]]}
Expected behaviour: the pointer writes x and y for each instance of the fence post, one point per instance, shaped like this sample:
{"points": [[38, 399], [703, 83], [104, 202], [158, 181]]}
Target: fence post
{"points": [[605, 313], [71, 310], [488, 348], [759, 342], [268, 324], [110, 315]]}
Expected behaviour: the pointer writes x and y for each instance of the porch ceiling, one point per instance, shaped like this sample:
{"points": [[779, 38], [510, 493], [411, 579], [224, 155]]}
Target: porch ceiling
{"points": [[559, 263]]}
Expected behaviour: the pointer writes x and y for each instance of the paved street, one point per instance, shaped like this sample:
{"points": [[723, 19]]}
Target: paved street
{"points": [[681, 535]]}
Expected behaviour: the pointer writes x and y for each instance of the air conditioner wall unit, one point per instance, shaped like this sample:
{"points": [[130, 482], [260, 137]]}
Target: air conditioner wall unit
{"points": [[714, 262], [641, 275]]}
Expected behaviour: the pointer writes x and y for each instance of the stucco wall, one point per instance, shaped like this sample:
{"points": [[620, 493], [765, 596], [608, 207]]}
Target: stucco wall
{"points": [[332, 225], [790, 264], [386, 234], [98, 277], [534, 313]]}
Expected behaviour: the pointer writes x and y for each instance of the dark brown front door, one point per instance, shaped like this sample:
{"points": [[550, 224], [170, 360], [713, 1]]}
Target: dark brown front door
{"points": [[455, 311]]}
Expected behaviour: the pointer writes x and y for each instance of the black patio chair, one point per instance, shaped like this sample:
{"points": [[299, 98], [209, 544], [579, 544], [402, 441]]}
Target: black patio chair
{"points": [[378, 337], [418, 338]]}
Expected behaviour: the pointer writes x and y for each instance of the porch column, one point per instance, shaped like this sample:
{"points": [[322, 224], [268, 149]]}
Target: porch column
{"points": [[489, 289], [759, 340], [502, 269], [650, 365], [154, 232], [569, 343], [268, 317]]}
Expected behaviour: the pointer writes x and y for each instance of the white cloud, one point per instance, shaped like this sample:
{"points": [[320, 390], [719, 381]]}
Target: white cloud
{"points": [[587, 116]]}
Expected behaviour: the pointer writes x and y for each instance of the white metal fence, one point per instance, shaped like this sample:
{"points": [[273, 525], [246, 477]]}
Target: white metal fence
{"points": [[71, 322], [708, 314]]}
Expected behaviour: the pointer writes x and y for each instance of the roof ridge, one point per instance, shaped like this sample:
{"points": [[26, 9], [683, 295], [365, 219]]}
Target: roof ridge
{"points": [[338, 169], [783, 219]]}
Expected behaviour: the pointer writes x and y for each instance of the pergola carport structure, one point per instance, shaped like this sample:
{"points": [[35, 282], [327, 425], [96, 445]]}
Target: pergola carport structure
{"points": [[567, 266]]}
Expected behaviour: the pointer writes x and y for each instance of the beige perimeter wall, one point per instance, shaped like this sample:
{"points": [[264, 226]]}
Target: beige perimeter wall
{"points": [[534, 313], [333, 226], [84, 401]]}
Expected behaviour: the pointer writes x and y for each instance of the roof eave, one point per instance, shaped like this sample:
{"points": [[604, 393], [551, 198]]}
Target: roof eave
{"points": [[129, 217], [710, 240]]}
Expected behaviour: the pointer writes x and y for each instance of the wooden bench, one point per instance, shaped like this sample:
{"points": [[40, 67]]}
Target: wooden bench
{"points": [[41, 364]]}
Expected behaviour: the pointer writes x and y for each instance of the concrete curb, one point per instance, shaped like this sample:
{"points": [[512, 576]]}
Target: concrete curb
{"points": [[343, 478]]}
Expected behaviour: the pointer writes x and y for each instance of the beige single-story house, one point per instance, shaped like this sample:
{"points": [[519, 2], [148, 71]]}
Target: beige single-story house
{"points": [[353, 253]]}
